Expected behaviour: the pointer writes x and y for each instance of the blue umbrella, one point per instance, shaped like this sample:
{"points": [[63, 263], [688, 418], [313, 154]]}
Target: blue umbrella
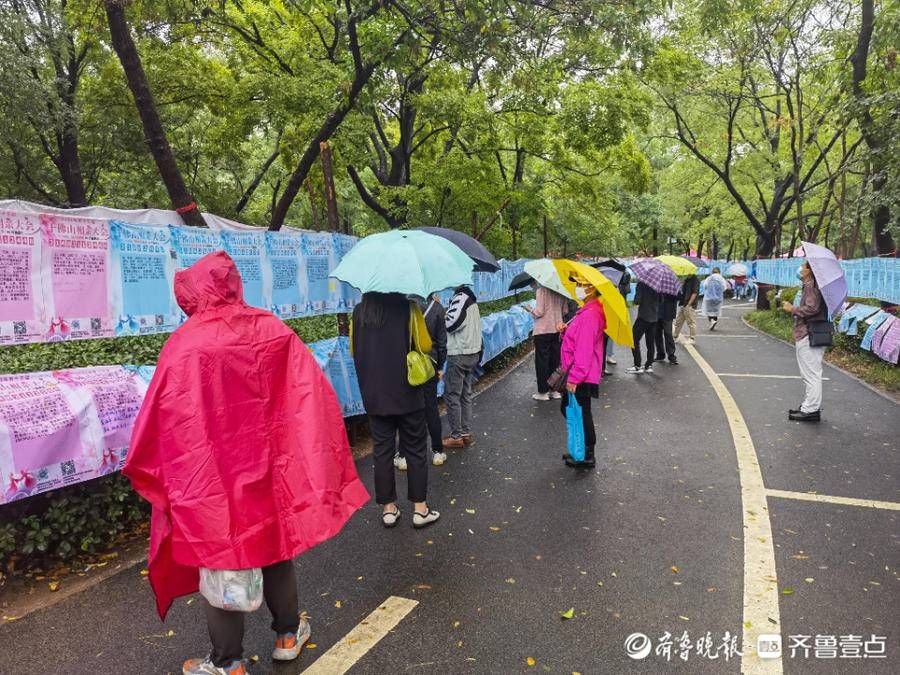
{"points": [[405, 261]]}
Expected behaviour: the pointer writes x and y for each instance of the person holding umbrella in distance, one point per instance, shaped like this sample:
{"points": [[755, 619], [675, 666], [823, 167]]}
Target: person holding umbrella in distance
{"points": [[824, 291]]}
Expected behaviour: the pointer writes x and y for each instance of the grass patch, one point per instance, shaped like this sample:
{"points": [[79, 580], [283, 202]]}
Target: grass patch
{"points": [[846, 352]]}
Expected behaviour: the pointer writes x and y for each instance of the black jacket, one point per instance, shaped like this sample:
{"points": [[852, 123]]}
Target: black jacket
{"points": [[437, 329], [380, 358], [668, 307], [647, 301]]}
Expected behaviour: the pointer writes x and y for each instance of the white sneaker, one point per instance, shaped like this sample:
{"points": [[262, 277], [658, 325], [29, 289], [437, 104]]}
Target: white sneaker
{"points": [[439, 458], [555, 395], [541, 397], [420, 520], [648, 369], [289, 645], [611, 361], [635, 370], [399, 463], [206, 667]]}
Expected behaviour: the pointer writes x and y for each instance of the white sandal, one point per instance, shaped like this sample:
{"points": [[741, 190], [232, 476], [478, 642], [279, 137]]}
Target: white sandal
{"points": [[390, 518], [420, 520]]}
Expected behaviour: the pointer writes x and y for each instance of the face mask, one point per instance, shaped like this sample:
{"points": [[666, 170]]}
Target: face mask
{"points": [[581, 293]]}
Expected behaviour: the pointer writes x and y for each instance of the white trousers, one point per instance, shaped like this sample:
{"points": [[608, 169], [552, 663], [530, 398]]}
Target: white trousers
{"points": [[810, 361]]}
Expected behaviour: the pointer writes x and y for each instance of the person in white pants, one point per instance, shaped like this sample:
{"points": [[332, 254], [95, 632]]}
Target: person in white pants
{"points": [[809, 359]]}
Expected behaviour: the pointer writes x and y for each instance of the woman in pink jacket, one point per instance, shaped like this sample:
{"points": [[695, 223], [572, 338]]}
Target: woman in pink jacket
{"points": [[582, 355]]}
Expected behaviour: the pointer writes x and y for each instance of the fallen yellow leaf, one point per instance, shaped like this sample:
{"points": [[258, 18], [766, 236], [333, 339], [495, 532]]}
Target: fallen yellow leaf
{"points": [[145, 572], [255, 658], [337, 604], [494, 529], [53, 586], [311, 646], [530, 661], [674, 569], [456, 624], [170, 633], [470, 511]]}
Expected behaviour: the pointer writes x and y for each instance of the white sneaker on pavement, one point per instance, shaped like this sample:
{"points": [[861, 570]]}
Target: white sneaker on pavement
{"points": [[439, 458], [289, 645], [635, 370], [399, 463], [541, 397], [555, 395]]}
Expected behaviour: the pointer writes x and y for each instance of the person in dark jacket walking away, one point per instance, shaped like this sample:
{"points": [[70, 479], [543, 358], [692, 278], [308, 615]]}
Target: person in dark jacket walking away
{"points": [[548, 314], [380, 339], [464, 348], [647, 301], [687, 303], [665, 341], [809, 359]]}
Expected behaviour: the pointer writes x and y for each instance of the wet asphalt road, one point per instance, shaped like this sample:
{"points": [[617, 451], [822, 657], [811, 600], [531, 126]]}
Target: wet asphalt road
{"points": [[649, 542]]}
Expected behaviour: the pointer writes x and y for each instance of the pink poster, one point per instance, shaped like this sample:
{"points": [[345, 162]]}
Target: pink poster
{"points": [[21, 297], [77, 257], [117, 400], [39, 430]]}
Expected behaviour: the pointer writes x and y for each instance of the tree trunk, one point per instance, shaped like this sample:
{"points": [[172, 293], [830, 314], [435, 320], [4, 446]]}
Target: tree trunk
{"points": [[317, 224], [154, 134], [248, 193], [700, 248], [546, 250], [70, 165], [330, 194]]}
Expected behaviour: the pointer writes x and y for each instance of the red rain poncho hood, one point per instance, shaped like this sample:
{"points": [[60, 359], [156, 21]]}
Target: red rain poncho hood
{"points": [[240, 445]]}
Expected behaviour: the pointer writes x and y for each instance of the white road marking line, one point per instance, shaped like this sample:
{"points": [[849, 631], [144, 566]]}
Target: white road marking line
{"points": [[777, 377], [760, 581], [828, 499], [355, 644]]}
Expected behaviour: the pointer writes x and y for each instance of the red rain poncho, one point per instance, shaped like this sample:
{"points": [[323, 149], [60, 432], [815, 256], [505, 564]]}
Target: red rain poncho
{"points": [[240, 445]]}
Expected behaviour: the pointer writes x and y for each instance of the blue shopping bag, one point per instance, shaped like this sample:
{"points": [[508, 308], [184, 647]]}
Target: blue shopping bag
{"points": [[575, 429]]}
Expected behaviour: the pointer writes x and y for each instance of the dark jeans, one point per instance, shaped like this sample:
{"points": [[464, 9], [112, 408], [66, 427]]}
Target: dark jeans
{"points": [[643, 329], [583, 394], [665, 341], [432, 414], [413, 445], [546, 359], [226, 629]]}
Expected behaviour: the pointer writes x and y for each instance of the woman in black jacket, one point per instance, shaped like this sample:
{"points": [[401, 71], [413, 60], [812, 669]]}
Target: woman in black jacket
{"points": [[380, 342]]}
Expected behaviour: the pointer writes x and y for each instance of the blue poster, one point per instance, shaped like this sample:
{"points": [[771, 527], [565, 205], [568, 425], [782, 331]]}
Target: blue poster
{"points": [[318, 259], [248, 250], [189, 244], [349, 296], [142, 273], [284, 252]]}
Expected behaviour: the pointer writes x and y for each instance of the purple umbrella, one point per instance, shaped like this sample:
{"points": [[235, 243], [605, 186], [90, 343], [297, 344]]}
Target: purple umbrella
{"points": [[829, 274], [657, 276]]}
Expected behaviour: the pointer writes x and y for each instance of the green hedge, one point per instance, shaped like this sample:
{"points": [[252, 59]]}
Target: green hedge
{"points": [[85, 518]]}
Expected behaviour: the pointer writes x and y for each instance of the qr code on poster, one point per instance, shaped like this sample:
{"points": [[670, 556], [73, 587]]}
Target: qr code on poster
{"points": [[19, 328], [68, 468], [96, 324], [160, 319]]}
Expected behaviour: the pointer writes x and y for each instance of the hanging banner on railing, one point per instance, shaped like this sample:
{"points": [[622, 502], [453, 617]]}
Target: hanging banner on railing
{"points": [[248, 250]]}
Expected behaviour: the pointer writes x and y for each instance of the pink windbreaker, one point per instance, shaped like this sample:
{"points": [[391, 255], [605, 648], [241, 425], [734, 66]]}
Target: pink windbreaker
{"points": [[582, 345]]}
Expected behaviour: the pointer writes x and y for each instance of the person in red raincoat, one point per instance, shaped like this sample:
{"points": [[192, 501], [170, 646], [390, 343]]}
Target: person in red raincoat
{"points": [[241, 450]]}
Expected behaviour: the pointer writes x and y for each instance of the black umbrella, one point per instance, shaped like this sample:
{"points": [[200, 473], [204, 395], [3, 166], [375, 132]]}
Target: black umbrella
{"points": [[609, 262], [697, 261], [484, 260], [521, 280]]}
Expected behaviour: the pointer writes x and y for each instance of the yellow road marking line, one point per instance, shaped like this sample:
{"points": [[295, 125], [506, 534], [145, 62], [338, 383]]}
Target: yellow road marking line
{"points": [[365, 635], [828, 499], [777, 377], [760, 581]]}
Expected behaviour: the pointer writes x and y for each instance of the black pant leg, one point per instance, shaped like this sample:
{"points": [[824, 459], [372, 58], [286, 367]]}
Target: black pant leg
{"points": [[546, 359], [659, 342], [637, 331], [384, 433], [670, 339], [648, 339], [583, 396], [414, 441], [280, 593], [433, 415], [226, 632]]}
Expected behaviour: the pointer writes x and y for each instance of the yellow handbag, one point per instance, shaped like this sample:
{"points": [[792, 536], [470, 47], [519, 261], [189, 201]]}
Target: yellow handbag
{"points": [[419, 366]]}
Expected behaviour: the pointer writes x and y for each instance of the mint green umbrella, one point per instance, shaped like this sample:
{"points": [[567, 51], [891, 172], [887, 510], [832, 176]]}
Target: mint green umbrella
{"points": [[545, 273], [405, 261]]}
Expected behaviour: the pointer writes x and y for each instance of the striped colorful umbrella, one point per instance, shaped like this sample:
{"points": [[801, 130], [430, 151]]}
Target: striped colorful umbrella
{"points": [[656, 275]]}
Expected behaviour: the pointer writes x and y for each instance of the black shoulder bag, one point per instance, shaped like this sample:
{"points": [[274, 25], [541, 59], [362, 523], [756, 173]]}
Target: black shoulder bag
{"points": [[821, 333]]}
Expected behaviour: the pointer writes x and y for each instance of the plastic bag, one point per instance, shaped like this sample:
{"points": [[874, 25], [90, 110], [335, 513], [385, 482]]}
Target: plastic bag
{"points": [[575, 429], [233, 590]]}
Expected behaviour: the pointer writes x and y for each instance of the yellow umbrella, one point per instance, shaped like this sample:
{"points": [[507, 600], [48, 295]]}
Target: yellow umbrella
{"points": [[681, 267], [618, 322]]}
